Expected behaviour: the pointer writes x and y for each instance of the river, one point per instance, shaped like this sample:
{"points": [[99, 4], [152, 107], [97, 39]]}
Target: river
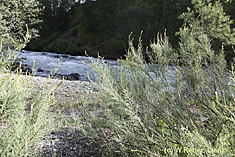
{"points": [[45, 62]]}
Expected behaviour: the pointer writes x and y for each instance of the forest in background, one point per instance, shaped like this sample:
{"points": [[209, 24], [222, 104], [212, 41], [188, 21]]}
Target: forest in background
{"points": [[103, 26]]}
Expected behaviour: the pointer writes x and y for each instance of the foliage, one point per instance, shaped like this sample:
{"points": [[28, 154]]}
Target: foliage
{"points": [[103, 25], [210, 18], [229, 9], [182, 106], [15, 15], [24, 117], [24, 121], [23, 124]]}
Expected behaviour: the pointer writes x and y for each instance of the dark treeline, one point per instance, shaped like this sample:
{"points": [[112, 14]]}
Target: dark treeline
{"points": [[103, 26]]}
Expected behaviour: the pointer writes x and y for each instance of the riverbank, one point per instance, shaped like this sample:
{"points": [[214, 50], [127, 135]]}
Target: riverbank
{"points": [[64, 91]]}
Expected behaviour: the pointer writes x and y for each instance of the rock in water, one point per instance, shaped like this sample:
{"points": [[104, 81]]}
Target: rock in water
{"points": [[73, 77], [40, 70]]}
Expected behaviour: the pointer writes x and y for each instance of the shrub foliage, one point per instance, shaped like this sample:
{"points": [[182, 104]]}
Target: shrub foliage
{"points": [[24, 118], [178, 103], [15, 15]]}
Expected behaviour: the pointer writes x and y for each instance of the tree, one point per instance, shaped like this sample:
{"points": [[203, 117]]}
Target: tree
{"points": [[210, 18], [14, 16]]}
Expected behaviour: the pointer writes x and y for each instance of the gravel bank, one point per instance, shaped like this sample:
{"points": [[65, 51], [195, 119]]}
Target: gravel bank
{"points": [[67, 91]]}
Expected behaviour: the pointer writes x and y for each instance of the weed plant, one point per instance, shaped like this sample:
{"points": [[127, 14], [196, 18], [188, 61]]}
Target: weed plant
{"points": [[163, 102]]}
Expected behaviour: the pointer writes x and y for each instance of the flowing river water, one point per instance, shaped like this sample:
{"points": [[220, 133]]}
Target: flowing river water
{"points": [[45, 62]]}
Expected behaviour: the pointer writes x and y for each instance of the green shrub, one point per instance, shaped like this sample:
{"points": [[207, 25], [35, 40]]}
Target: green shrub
{"points": [[148, 106], [179, 103], [209, 17], [24, 123], [15, 15], [25, 118]]}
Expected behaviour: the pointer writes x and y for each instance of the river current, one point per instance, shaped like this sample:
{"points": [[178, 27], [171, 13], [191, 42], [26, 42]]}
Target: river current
{"points": [[45, 62]]}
